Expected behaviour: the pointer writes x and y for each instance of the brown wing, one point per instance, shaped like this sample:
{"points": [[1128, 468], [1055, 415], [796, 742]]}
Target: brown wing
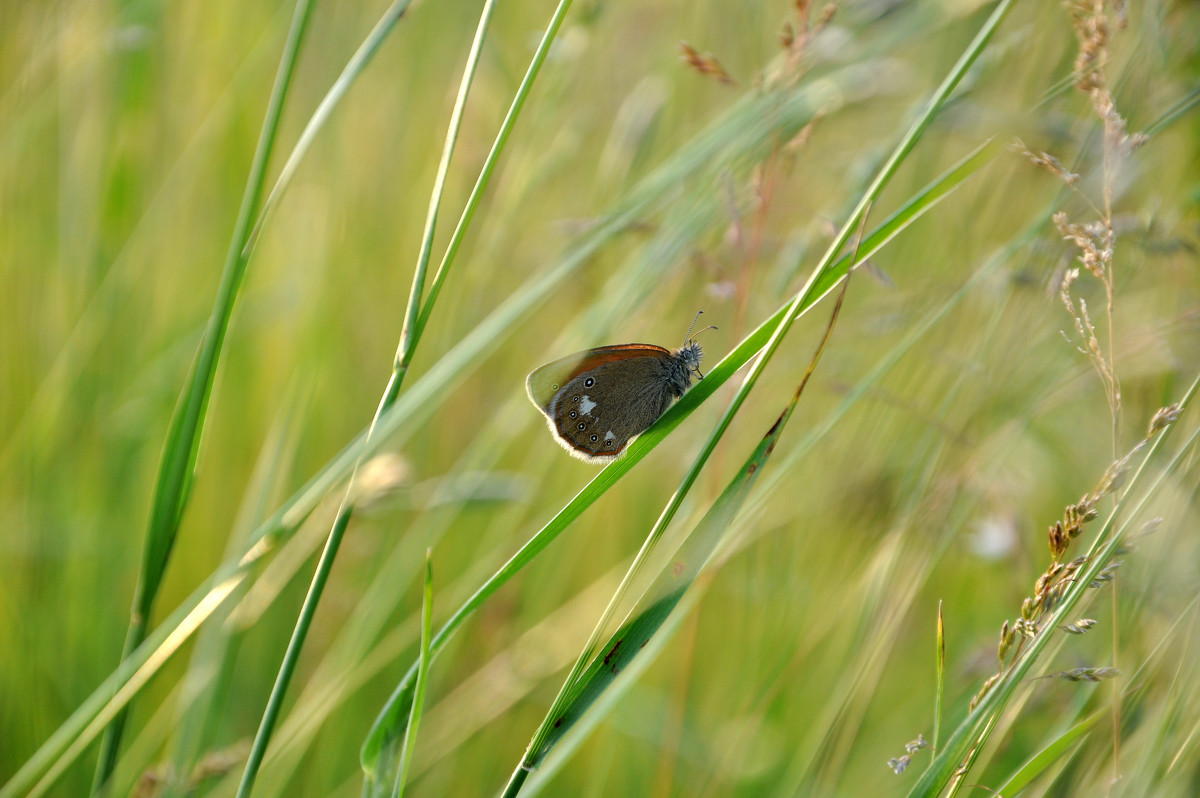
{"points": [[544, 382], [596, 412]]}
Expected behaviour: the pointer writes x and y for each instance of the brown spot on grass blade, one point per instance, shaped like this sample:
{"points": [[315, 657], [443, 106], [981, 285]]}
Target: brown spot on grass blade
{"points": [[612, 652]]}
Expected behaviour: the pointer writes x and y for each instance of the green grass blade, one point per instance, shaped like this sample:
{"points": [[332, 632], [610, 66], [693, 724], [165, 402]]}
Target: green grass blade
{"points": [[489, 165], [661, 598], [939, 695], [414, 716], [1046, 757], [178, 463], [411, 333]]}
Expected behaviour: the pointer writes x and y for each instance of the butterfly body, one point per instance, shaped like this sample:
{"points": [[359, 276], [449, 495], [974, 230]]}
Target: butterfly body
{"points": [[597, 400]]}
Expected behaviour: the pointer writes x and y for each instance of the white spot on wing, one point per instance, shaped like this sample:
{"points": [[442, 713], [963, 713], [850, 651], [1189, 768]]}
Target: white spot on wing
{"points": [[586, 405], [608, 436]]}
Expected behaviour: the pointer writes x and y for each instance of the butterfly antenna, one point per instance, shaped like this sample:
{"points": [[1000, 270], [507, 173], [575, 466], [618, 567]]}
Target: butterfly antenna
{"points": [[691, 327], [689, 337]]}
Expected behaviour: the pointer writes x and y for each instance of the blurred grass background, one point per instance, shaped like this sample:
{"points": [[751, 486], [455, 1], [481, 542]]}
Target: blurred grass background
{"points": [[126, 130]]}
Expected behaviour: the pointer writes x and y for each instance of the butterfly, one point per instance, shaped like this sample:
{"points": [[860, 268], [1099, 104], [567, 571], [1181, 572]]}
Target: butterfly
{"points": [[598, 400]]}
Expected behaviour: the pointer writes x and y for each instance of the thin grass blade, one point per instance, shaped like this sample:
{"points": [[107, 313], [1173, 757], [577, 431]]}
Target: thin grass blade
{"points": [[414, 716], [404, 352], [354, 67], [939, 695]]}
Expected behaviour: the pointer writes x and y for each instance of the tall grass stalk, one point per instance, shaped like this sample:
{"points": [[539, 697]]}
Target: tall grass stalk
{"points": [[178, 464], [399, 369], [634, 188]]}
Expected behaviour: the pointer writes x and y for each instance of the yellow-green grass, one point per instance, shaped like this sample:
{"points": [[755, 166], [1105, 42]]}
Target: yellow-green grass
{"points": [[947, 412]]}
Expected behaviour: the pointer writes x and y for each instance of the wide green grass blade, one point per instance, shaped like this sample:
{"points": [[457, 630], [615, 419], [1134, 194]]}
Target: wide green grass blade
{"points": [[1043, 759], [663, 594], [659, 601], [178, 464]]}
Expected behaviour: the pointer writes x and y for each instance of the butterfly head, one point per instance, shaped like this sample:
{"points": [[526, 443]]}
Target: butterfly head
{"points": [[685, 361]]}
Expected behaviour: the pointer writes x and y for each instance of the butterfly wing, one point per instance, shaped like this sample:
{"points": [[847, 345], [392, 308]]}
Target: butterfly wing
{"points": [[544, 382], [596, 401]]}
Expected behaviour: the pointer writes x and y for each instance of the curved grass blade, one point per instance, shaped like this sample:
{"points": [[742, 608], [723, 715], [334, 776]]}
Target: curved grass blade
{"points": [[489, 165], [1050, 754], [177, 466]]}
